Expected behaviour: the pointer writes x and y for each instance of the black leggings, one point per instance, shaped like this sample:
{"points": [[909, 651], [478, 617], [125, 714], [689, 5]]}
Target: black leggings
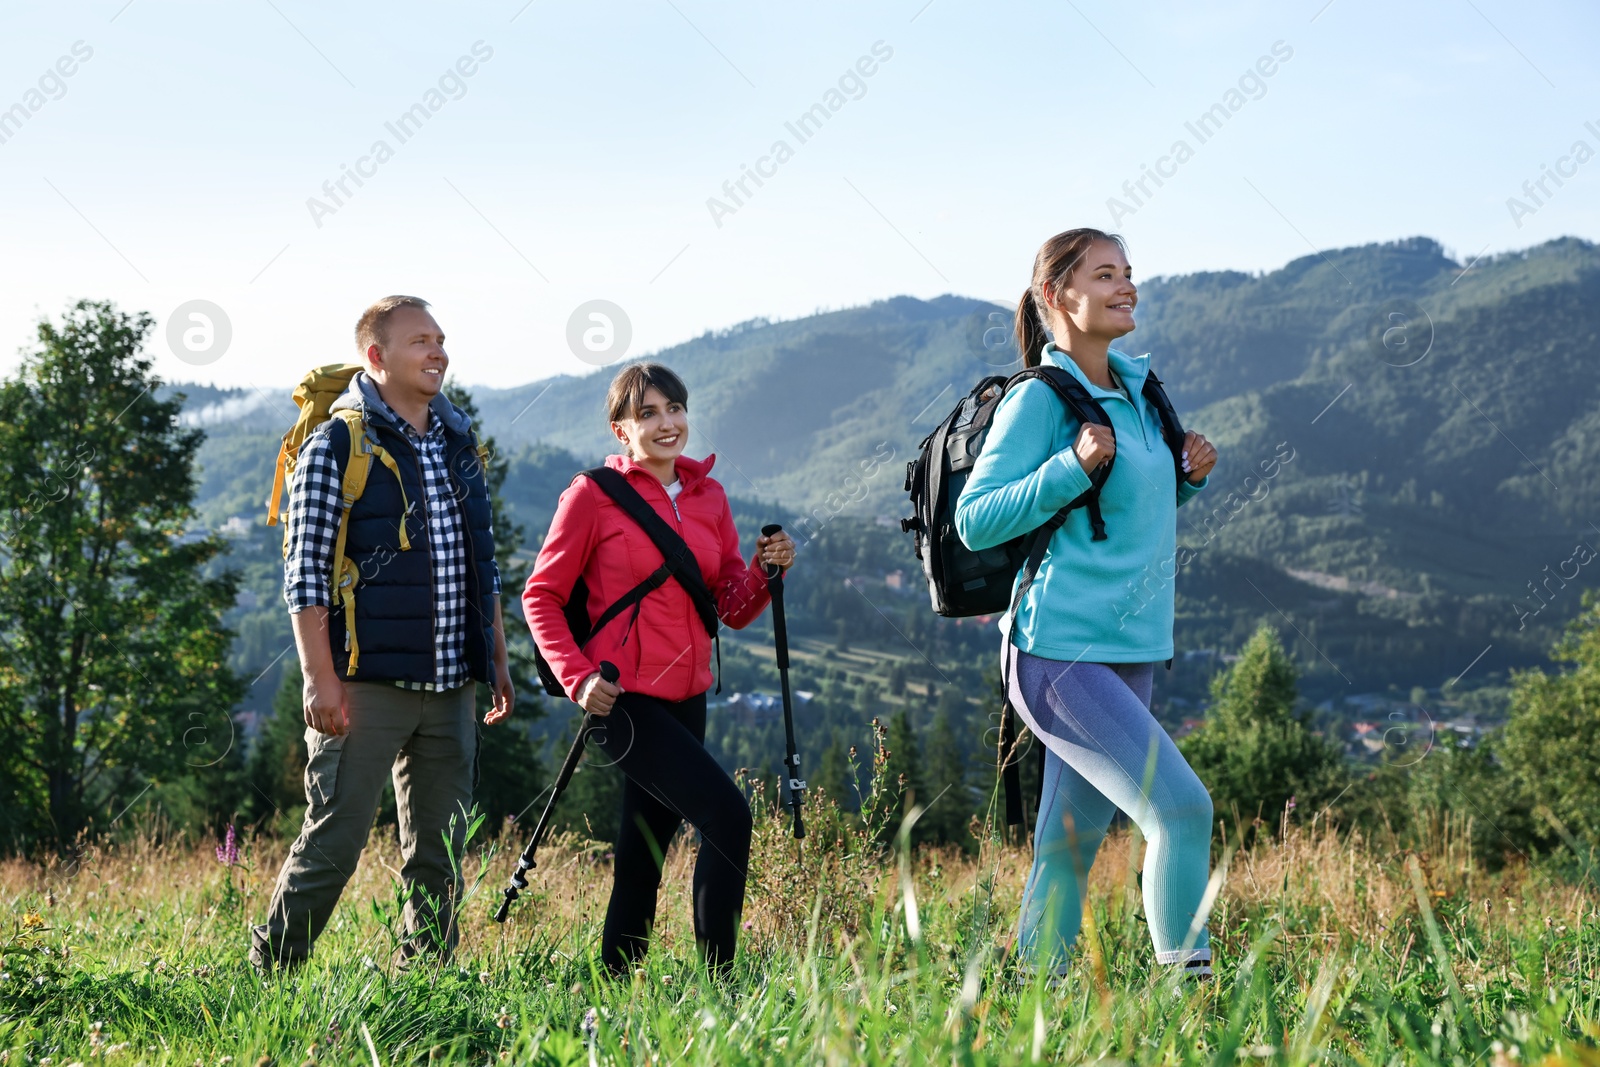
{"points": [[670, 777]]}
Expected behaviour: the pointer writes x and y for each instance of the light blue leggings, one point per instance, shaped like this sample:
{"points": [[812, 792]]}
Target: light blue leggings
{"points": [[1095, 720]]}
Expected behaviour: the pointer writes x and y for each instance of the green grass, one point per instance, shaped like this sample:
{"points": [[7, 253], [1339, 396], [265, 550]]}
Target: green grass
{"points": [[1329, 949]]}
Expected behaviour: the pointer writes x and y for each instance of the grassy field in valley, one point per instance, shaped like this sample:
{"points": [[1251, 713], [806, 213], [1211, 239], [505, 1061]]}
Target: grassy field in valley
{"points": [[1329, 949]]}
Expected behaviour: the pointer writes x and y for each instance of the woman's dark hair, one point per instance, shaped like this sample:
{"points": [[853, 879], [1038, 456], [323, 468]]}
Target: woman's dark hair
{"points": [[626, 394], [1052, 268]]}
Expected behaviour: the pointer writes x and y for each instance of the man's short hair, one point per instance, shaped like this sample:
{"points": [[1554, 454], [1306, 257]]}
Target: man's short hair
{"points": [[371, 328]]}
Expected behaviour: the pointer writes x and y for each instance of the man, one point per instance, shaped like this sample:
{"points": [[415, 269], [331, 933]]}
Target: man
{"points": [[427, 627]]}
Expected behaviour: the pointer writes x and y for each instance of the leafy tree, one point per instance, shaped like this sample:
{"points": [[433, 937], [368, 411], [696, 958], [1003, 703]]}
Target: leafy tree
{"points": [[1472, 786], [1551, 742], [112, 651], [1256, 749]]}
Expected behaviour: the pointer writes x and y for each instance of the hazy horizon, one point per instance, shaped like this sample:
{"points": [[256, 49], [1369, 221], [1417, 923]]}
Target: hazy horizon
{"points": [[697, 164]]}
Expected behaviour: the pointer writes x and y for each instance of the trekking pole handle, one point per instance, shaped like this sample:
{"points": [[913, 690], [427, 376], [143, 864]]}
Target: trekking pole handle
{"points": [[772, 569]]}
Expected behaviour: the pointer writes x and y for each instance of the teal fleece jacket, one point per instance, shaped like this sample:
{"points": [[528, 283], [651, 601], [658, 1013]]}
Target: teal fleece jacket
{"points": [[1099, 601]]}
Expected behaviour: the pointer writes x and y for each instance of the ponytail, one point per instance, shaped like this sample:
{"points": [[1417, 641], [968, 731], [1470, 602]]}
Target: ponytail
{"points": [[1030, 332], [1052, 267]]}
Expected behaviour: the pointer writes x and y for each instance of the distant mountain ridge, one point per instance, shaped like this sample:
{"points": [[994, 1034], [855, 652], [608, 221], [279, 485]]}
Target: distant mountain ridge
{"points": [[1444, 421]]}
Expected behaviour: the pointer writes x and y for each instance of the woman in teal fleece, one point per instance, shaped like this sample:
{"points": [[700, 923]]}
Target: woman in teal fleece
{"points": [[1087, 635]]}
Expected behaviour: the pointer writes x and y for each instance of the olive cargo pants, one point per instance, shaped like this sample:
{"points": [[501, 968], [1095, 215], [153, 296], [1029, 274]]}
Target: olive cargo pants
{"points": [[428, 741]]}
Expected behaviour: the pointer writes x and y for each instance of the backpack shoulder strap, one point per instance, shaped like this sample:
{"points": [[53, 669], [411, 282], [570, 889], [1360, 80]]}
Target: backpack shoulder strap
{"points": [[679, 560], [1083, 407], [482, 451], [357, 469], [1086, 409]]}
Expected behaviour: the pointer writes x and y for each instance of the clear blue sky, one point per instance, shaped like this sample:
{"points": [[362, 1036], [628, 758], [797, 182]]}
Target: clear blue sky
{"points": [[575, 162]]}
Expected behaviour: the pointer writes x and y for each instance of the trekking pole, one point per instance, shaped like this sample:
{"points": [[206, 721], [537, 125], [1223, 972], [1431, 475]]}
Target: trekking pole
{"points": [[780, 636], [525, 863]]}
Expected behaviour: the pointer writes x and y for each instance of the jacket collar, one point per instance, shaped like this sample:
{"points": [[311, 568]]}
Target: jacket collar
{"points": [[1131, 369], [362, 394], [691, 472]]}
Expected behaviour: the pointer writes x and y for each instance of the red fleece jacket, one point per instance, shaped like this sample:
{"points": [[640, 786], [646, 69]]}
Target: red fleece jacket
{"points": [[667, 652]]}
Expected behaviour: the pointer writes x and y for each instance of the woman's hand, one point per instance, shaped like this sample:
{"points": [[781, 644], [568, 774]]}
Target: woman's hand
{"points": [[596, 695], [1198, 456], [1095, 445], [778, 549]]}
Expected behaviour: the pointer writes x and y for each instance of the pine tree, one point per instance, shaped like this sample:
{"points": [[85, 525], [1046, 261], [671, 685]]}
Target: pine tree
{"points": [[276, 766], [897, 679], [949, 801], [834, 775], [906, 766], [510, 772], [1256, 749]]}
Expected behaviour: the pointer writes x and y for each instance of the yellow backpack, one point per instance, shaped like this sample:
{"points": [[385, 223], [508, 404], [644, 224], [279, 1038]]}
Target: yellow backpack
{"points": [[314, 396]]}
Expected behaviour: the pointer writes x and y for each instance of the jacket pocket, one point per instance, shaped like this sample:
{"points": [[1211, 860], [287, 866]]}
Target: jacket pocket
{"points": [[323, 755]]}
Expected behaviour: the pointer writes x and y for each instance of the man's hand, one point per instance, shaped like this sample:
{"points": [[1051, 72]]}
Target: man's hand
{"points": [[326, 710], [504, 696], [1198, 456], [596, 695]]}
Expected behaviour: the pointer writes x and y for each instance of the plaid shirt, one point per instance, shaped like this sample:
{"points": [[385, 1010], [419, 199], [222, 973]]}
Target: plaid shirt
{"points": [[313, 528]]}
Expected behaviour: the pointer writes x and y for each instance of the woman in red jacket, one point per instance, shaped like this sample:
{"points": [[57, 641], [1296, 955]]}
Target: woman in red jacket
{"points": [[655, 714]]}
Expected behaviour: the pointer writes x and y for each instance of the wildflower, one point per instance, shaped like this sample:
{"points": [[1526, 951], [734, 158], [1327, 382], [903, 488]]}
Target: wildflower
{"points": [[228, 851], [1290, 805], [33, 920], [591, 1022], [483, 977], [504, 1020]]}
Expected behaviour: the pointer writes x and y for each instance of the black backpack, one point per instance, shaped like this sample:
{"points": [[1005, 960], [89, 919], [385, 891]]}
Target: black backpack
{"points": [[678, 562], [963, 582]]}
